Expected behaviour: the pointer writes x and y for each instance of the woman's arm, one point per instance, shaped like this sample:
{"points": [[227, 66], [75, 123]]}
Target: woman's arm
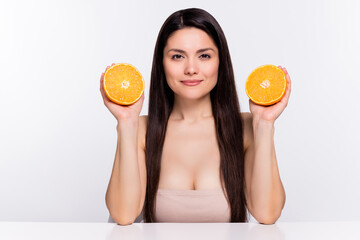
{"points": [[265, 192], [124, 189]]}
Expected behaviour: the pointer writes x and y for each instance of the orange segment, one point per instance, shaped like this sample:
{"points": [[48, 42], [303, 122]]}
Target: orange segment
{"points": [[123, 84], [266, 85]]}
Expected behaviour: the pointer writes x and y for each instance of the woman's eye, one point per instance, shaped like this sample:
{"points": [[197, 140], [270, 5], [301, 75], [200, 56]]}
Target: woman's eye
{"points": [[176, 56], [204, 56]]}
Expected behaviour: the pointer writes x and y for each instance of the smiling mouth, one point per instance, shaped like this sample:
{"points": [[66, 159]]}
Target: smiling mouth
{"points": [[191, 82]]}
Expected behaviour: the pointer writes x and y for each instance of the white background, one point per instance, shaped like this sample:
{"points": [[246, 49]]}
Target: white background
{"points": [[57, 139]]}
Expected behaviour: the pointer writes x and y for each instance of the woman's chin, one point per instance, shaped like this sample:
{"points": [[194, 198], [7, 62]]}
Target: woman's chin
{"points": [[192, 96]]}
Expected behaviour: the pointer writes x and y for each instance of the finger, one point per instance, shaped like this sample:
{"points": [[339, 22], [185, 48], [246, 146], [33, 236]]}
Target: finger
{"points": [[101, 80], [102, 91], [285, 70], [109, 66], [288, 88], [102, 88], [104, 96], [288, 79]]}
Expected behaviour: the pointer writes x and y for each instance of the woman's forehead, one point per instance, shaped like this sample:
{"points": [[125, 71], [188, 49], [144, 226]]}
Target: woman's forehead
{"points": [[190, 39]]}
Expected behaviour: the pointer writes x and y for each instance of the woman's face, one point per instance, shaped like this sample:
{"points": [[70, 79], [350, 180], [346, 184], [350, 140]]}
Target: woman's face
{"points": [[191, 63]]}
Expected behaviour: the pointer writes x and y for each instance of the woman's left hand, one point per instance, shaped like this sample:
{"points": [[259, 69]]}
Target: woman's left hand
{"points": [[271, 113]]}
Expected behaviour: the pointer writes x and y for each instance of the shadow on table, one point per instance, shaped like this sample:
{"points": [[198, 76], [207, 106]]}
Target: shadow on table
{"points": [[125, 232], [188, 231], [268, 232]]}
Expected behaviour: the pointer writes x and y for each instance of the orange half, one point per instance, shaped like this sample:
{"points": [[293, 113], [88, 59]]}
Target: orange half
{"points": [[266, 85], [123, 84]]}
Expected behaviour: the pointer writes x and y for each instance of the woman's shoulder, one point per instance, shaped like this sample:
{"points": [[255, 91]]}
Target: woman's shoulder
{"points": [[143, 119], [142, 130], [142, 123], [246, 116], [248, 134]]}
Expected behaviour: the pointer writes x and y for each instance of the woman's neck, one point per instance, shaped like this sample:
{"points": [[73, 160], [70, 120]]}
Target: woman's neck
{"points": [[191, 111]]}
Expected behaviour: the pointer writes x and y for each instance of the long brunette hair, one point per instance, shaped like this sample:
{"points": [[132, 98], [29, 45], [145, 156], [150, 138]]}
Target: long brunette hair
{"points": [[225, 107]]}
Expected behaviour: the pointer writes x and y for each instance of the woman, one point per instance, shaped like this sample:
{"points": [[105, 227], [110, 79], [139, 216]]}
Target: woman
{"points": [[195, 157]]}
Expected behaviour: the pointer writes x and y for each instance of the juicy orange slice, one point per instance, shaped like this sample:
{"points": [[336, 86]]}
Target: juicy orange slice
{"points": [[123, 84], [266, 85]]}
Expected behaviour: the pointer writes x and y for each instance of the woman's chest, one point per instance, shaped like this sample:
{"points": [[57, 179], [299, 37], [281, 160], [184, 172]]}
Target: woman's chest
{"points": [[190, 158]]}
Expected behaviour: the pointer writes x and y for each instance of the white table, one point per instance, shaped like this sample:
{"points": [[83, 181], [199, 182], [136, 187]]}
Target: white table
{"points": [[183, 231]]}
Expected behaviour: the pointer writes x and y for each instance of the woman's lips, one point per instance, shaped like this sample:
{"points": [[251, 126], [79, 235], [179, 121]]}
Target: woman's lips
{"points": [[191, 82]]}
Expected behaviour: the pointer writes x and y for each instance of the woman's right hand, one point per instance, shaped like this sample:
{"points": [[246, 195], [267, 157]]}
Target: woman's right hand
{"points": [[121, 112]]}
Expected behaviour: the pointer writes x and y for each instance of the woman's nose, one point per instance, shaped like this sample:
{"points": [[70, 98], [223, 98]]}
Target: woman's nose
{"points": [[191, 67]]}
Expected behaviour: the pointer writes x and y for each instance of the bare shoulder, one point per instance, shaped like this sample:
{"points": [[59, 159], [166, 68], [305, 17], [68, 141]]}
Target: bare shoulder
{"points": [[142, 130], [248, 129], [143, 120]]}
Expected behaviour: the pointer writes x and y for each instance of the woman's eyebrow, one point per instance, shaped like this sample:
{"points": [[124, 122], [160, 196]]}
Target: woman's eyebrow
{"points": [[198, 51], [204, 50]]}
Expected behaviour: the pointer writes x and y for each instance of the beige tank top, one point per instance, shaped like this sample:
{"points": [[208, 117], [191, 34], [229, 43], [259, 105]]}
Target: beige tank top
{"points": [[191, 206]]}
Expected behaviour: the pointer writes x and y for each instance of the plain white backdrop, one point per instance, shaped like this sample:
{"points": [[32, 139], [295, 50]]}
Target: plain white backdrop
{"points": [[57, 139]]}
